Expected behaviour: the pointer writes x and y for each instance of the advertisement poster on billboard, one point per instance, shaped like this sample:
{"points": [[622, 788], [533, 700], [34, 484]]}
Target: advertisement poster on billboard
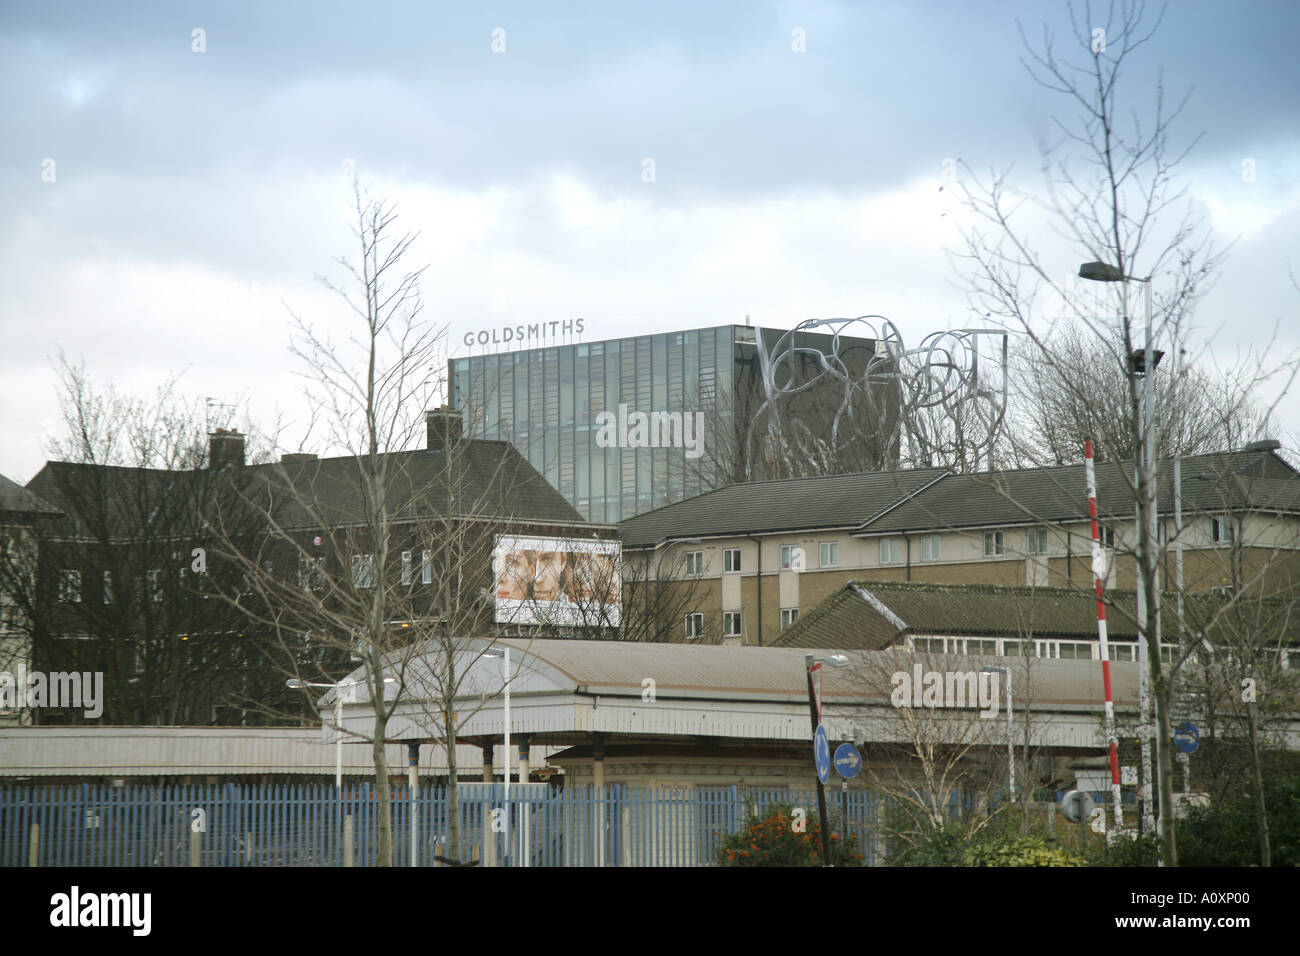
{"points": [[570, 582]]}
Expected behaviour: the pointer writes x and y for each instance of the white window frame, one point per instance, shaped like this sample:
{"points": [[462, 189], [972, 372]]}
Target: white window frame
{"points": [[834, 552], [363, 571], [732, 619], [108, 586], [693, 626], [788, 616], [731, 561], [69, 586], [426, 567], [1036, 540], [1106, 536], [406, 568], [933, 544], [154, 578], [694, 564], [785, 554], [891, 551], [995, 544], [1221, 530]]}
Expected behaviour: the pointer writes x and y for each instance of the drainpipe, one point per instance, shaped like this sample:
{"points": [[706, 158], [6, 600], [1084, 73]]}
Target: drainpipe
{"points": [[760, 588]]}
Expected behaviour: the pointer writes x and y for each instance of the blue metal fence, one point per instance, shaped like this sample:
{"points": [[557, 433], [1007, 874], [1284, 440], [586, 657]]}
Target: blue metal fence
{"points": [[318, 825]]}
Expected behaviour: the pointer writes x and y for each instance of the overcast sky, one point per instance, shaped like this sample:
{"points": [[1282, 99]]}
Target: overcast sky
{"points": [[194, 194]]}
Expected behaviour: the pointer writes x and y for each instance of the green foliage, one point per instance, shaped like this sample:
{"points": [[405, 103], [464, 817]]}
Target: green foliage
{"points": [[1139, 851], [1227, 833], [950, 846], [771, 840]]}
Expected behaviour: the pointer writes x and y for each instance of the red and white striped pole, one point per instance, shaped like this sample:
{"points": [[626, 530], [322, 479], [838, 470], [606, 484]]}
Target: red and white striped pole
{"points": [[1098, 573]]}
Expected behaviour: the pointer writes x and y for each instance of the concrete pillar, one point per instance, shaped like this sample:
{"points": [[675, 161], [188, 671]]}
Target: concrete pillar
{"points": [[488, 750], [598, 795], [413, 781], [523, 759]]}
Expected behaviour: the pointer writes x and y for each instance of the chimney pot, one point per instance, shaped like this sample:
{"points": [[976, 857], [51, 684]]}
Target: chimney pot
{"points": [[225, 447], [443, 426]]}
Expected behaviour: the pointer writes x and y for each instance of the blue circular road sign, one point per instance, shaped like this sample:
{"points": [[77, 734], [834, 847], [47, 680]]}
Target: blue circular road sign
{"points": [[1186, 737], [847, 761], [822, 753]]}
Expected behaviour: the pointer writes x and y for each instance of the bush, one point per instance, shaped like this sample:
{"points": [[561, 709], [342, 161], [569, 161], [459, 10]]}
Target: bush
{"points": [[771, 840], [950, 846], [1226, 833]]}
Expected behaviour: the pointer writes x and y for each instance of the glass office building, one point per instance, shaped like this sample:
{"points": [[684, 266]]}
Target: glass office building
{"points": [[549, 403]]}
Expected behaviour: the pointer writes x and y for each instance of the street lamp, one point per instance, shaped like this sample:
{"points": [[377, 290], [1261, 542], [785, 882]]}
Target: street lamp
{"points": [[1011, 759], [833, 660], [294, 683], [1140, 362], [659, 568], [504, 654]]}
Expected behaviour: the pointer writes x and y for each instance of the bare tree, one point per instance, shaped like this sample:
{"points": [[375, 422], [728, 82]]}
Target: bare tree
{"points": [[108, 585], [1085, 395], [1112, 192]]}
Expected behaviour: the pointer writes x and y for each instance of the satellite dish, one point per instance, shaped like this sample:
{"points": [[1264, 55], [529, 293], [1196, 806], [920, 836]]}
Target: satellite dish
{"points": [[1077, 806]]}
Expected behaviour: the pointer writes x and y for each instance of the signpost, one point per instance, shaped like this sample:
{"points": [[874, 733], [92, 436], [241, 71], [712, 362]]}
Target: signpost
{"points": [[822, 753], [847, 761], [1186, 737]]}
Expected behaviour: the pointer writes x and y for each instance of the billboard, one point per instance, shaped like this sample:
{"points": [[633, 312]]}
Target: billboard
{"points": [[570, 582]]}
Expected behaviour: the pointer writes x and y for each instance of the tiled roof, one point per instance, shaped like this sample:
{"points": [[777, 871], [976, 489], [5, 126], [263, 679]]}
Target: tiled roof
{"points": [[852, 617], [15, 499], [784, 505], [487, 479], [993, 499]]}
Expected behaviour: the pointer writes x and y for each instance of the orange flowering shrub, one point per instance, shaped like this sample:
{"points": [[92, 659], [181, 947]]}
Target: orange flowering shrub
{"points": [[774, 839]]}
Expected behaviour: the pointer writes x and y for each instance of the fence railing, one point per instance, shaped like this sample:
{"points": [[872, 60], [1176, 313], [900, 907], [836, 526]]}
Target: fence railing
{"points": [[317, 825]]}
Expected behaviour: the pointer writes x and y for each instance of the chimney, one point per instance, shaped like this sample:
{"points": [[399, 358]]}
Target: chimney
{"points": [[444, 426], [225, 447], [296, 457]]}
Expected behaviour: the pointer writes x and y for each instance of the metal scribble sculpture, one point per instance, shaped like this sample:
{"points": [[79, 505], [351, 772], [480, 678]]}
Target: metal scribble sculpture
{"points": [[831, 404]]}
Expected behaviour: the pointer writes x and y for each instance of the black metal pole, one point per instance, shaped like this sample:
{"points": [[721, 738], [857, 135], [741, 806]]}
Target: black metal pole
{"points": [[821, 788]]}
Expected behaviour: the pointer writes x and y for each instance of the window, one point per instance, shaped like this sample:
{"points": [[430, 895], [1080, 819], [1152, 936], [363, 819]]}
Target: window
{"points": [[788, 616], [994, 544], [731, 624], [1015, 648], [1221, 529], [787, 552], [70, 586], [406, 567], [426, 567], [830, 554], [930, 547], [311, 573], [889, 551], [1036, 541], [981, 646], [1074, 651], [731, 560], [363, 570], [694, 625], [694, 563], [1123, 652], [1107, 536], [155, 586], [108, 587]]}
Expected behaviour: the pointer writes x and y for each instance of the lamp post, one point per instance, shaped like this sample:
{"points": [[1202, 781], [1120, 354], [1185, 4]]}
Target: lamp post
{"points": [[504, 654], [1142, 362], [294, 684], [1011, 756], [669, 542], [814, 711]]}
